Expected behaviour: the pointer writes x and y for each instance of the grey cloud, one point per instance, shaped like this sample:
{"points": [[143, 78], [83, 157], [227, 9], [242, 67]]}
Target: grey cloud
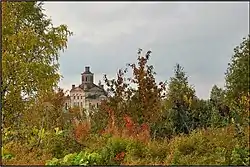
{"points": [[199, 36]]}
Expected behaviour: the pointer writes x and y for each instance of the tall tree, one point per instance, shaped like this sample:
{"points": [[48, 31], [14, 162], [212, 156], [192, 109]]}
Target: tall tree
{"points": [[47, 110], [30, 52], [117, 90], [237, 74], [218, 108], [217, 95], [142, 103], [237, 84], [179, 101], [179, 91], [148, 94]]}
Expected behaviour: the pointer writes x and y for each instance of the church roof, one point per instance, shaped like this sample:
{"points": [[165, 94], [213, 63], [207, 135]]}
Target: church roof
{"points": [[88, 87], [87, 72]]}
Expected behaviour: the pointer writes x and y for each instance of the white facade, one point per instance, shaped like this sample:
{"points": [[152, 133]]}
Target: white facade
{"points": [[87, 95]]}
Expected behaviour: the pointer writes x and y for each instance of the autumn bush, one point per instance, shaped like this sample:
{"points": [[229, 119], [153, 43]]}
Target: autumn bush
{"points": [[210, 147], [201, 147], [82, 131], [59, 145], [116, 151], [158, 151], [19, 154], [41, 145]]}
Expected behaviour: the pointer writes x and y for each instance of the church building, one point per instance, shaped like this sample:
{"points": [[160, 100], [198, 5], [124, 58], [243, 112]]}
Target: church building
{"points": [[87, 95]]}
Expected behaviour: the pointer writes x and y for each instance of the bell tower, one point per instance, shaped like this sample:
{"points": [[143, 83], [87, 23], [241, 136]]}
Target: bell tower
{"points": [[87, 76]]}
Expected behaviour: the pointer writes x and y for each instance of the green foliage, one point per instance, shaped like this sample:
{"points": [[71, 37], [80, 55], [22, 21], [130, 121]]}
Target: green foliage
{"points": [[99, 120], [163, 128], [52, 142], [178, 88], [217, 94], [200, 147], [106, 155], [192, 144], [58, 144], [157, 150], [6, 154], [209, 147], [31, 46], [217, 100], [82, 158], [136, 149], [113, 147], [176, 117], [240, 156], [237, 75], [202, 114], [217, 120]]}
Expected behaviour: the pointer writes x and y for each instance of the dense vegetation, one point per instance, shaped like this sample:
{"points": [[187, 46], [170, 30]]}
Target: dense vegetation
{"points": [[149, 123]]}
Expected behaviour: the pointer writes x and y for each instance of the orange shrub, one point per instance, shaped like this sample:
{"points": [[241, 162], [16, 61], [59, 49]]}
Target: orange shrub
{"points": [[82, 130], [131, 130]]}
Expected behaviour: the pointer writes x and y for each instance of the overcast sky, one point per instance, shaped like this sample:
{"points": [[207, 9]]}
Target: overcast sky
{"points": [[199, 36]]}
